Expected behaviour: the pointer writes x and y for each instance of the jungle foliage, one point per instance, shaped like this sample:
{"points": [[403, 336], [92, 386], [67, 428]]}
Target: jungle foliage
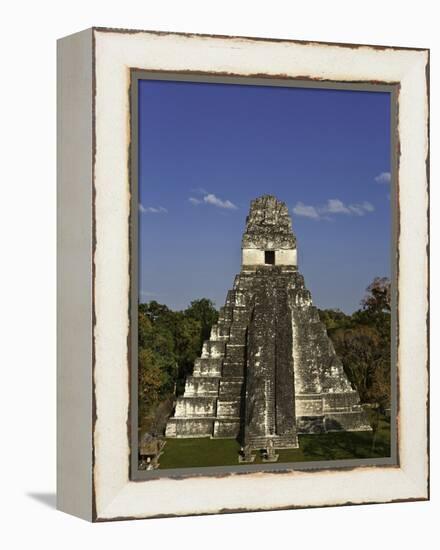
{"points": [[169, 342], [363, 342]]}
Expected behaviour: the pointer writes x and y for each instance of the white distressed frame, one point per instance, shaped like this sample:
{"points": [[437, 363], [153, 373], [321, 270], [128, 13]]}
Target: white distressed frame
{"points": [[115, 53]]}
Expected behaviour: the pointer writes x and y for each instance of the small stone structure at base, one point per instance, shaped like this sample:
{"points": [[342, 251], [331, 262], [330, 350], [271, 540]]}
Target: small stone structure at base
{"points": [[269, 370]]}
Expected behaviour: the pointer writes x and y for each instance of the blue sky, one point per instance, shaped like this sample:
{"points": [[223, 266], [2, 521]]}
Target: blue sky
{"points": [[206, 150]]}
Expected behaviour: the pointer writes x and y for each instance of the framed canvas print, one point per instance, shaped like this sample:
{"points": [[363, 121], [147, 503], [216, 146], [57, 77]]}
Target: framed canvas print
{"points": [[242, 274]]}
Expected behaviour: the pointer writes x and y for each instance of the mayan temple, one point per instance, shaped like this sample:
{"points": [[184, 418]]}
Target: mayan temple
{"points": [[269, 371]]}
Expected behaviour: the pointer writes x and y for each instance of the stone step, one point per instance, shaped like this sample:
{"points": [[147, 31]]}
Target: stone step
{"points": [[244, 282], [240, 315], [310, 405], [207, 366], [230, 298], [237, 333], [279, 441], [342, 421], [206, 386], [340, 402], [235, 353], [224, 329], [236, 298], [226, 427], [230, 387], [213, 349], [189, 427], [228, 408], [219, 332], [231, 369], [225, 314], [191, 407]]}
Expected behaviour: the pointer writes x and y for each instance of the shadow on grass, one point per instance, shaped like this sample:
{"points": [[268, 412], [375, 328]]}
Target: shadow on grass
{"points": [[205, 452]]}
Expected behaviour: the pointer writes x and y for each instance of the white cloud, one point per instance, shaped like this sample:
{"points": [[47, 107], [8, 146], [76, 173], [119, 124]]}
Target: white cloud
{"points": [[152, 209], [335, 206], [195, 201], [210, 198], [368, 207], [331, 208], [301, 209], [215, 201], [383, 177]]}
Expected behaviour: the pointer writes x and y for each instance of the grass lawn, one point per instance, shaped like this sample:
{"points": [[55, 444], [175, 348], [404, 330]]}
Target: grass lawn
{"points": [[196, 453]]}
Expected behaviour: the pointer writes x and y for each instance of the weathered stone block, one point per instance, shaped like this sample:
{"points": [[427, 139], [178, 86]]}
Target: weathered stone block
{"points": [[308, 405], [171, 428], [339, 402], [230, 408], [233, 369], [213, 349], [193, 427], [237, 333], [240, 315], [219, 333], [223, 331], [346, 421], [207, 366], [188, 407], [226, 428], [230, 387], [230, 298], [235, 353], [225, 315], [201, 386]]}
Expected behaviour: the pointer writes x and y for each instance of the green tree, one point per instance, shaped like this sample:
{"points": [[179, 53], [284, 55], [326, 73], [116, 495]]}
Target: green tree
{"points": [[187, 346], [335, 319], [204, 311], [151, 377], [363, 342], [169, 342], [378, 297], [154, 310], [360, 349]]}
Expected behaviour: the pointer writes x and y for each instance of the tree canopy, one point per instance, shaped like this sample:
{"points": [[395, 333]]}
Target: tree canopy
{"points": [[363, 342], [169, 342]]}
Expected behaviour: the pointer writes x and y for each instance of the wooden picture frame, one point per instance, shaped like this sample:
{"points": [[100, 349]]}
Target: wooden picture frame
{"points": [[97, 335]]}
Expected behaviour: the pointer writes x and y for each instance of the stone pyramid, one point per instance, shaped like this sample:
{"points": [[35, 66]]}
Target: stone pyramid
{"points": [[269, 371]]}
